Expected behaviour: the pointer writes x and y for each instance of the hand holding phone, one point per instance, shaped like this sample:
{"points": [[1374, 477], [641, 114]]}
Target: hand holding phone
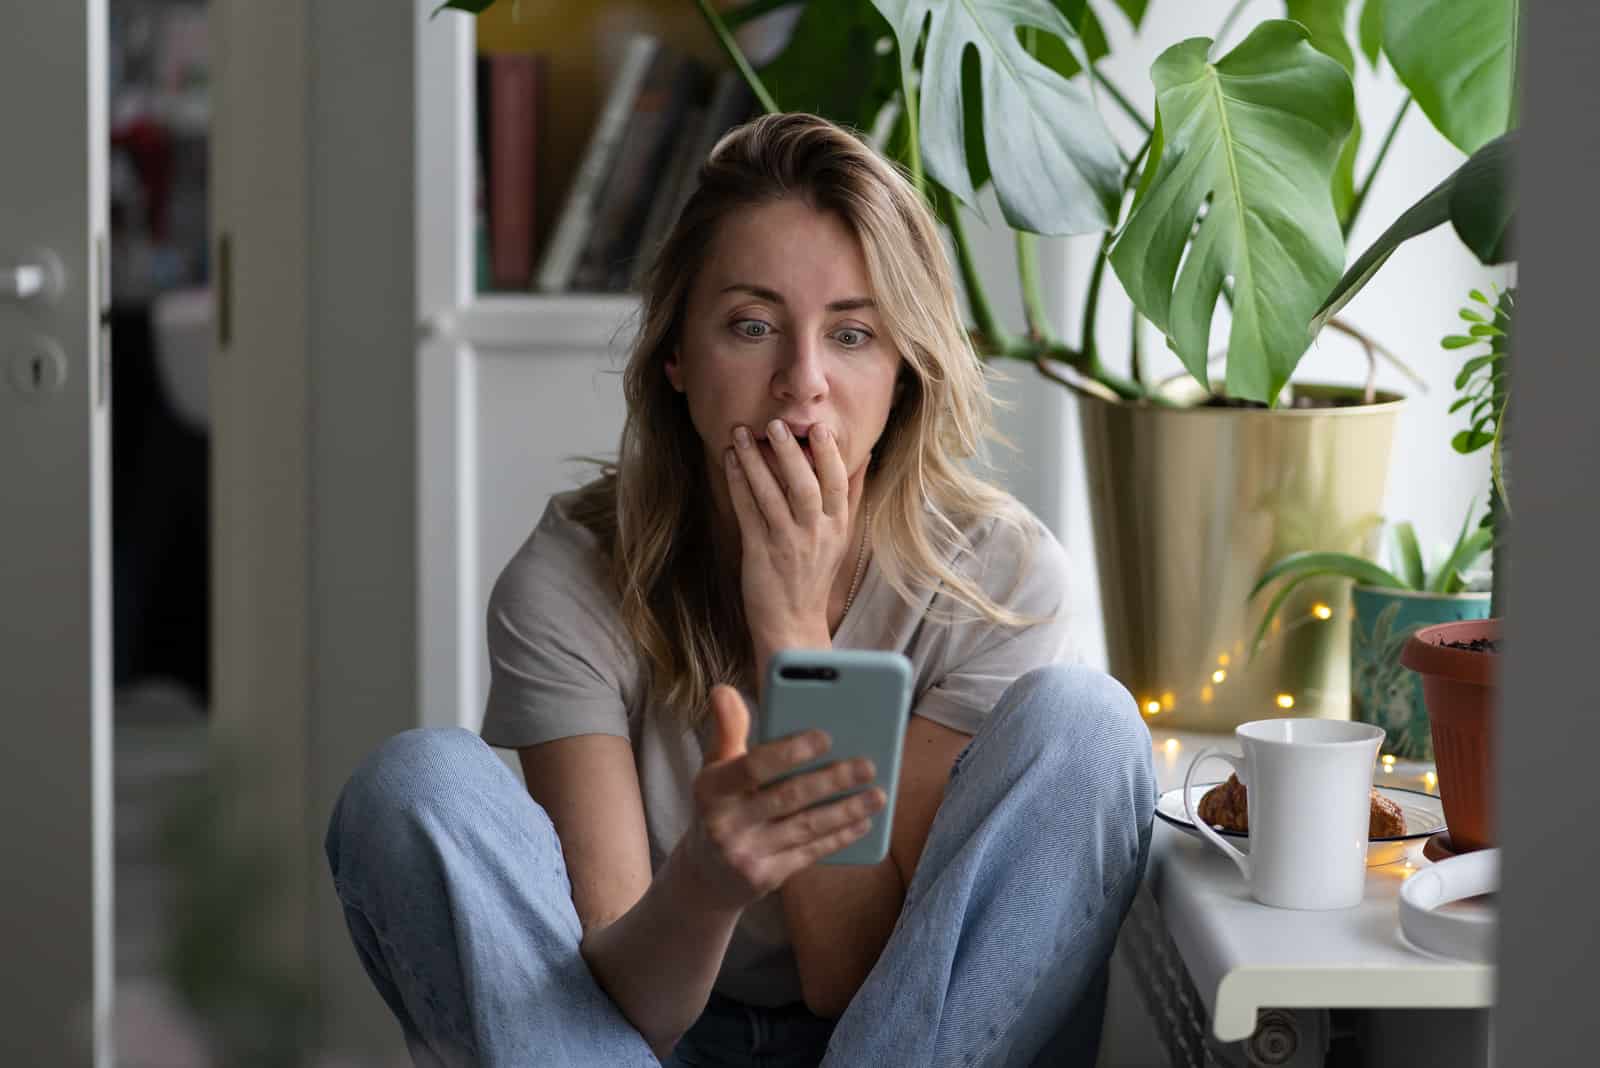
{"points": [[862, 699], [758, 818]]}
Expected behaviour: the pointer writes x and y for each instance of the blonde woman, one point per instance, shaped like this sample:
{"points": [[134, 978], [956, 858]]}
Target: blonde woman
{"points": [[802, 406]]}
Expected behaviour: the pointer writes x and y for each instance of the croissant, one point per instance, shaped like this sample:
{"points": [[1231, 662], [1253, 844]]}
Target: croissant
{"points": [[1226, 805]]}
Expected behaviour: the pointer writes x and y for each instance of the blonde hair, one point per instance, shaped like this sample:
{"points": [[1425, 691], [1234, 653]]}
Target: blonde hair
{"points": [[649, 509]]}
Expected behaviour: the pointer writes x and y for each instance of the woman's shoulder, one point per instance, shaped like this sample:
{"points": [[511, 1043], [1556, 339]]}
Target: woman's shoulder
{"points": [[561, 557]]}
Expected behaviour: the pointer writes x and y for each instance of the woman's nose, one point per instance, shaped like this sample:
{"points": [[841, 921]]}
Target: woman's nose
{"points": [[803, 375]]}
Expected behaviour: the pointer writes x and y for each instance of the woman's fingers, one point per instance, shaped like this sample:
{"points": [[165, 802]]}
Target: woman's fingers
{"points": [[792, 795], [816, 821], [761, 765], [804, 495], [762, 482], [832, 477], [745, 507], [812, 849]]}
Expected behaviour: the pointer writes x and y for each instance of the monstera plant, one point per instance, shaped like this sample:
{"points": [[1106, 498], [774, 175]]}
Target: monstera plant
{"points": [[1230, 195]]}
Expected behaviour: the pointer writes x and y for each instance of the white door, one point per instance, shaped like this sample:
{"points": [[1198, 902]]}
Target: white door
{"points": [[55, 649]]}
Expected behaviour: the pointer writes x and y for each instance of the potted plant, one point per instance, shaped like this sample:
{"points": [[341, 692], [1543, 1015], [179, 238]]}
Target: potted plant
{"points": [[1242, 189], [1459, 663], [1389, 605]]}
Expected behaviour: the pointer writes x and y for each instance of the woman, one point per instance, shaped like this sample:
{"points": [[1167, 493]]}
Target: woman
{"points": [[802, 403]]}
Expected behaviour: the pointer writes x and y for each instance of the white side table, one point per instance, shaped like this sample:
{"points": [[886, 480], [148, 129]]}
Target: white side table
{"points": [[1244, 957]]}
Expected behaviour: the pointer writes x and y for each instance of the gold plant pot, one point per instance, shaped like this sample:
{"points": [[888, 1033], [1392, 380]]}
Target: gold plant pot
{"points": [[1190, 506]]}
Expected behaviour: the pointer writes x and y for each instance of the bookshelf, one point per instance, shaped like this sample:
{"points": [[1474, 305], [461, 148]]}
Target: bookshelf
{"points": [[509, 384], [565, 322]]}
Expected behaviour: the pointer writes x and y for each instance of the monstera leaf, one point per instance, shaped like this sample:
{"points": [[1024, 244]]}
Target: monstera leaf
{"points": [[1370, 31], [1478, 199], [1459, 59], [1051, 51], [1325, 19], [1239, 180], [1055, 167]]}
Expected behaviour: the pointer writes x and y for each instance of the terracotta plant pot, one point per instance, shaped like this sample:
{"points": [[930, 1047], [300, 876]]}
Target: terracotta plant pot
{"points": [[1461, 688]]}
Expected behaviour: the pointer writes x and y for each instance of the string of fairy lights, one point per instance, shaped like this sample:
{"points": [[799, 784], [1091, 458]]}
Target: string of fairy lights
{"points": [[1154, 705], [1320, 612]]}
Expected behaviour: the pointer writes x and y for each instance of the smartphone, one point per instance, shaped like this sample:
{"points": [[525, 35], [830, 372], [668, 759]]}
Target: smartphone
{"points": [[862, 698]]}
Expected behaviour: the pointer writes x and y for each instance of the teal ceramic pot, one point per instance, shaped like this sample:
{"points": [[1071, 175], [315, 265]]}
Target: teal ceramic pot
{"points": [[1383, 692]]}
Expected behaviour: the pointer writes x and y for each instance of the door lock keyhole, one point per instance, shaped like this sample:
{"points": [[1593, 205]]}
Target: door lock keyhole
{"points": [[38, 366]]}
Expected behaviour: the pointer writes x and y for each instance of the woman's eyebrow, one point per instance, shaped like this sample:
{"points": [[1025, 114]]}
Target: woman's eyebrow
{"points": [[774, 297]]}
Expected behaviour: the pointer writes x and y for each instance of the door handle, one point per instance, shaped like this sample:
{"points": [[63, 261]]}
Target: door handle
{"points": [[39, 277]]}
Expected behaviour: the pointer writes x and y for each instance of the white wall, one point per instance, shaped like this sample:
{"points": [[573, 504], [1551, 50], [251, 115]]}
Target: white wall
{"points": [[535, 411], [1409, 306]]}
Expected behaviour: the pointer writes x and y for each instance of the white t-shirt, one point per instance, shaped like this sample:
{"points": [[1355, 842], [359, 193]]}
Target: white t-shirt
{"points": [[562, 664]]}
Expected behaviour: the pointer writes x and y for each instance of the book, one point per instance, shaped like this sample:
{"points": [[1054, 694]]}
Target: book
{"points": [[673, 87], [480, 179], [516, 96], [731, 103], [566, 245], [662, 215]]}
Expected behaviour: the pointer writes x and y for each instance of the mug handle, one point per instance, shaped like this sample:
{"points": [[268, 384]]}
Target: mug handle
{"points": [[1194, 817]]}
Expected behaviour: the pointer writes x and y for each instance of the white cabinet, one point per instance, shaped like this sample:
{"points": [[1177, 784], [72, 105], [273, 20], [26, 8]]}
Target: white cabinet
{"points": [[509, 389]]}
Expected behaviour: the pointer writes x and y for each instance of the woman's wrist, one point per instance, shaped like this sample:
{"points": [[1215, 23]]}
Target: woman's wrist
{"points": [[684, 883]]}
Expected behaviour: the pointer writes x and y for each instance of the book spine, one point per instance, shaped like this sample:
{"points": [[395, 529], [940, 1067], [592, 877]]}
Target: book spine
{"points": [[674, 85], [665, 205], [566, 245], [731, 103], [516, 82], [480, 178], [687, 90]]}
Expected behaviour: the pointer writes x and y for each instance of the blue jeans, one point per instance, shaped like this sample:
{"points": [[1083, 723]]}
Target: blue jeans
{"points": [[457, 898]]}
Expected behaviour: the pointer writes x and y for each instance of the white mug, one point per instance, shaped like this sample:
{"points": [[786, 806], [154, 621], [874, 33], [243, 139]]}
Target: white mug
{"points": [[1308, 785]]}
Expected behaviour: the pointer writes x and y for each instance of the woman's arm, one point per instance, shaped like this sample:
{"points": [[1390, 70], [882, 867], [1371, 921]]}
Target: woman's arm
{"points": [[654, 947], [840, 918]]}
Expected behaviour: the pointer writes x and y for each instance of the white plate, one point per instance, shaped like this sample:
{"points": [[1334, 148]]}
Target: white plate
{"points": [[1424, 815]]}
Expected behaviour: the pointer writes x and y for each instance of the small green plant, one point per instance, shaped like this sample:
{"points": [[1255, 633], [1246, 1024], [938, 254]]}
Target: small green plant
{"points": [[1483, 383], [1410, 571]]}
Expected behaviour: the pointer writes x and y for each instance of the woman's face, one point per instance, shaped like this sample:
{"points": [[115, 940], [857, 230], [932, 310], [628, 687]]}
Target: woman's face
{"points": [[781, 324]]}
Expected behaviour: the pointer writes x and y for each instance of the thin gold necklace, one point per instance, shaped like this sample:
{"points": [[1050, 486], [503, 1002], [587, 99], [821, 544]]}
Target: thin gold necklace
{"points": [[861, 562]]}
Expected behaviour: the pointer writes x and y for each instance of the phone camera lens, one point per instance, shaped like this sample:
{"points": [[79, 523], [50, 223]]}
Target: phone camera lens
{"points": [[824, 674]]}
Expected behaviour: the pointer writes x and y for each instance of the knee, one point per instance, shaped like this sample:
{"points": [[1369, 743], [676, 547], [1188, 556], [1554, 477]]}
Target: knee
{"points": [[1074, 708], [418, 775], [1085, 727]]}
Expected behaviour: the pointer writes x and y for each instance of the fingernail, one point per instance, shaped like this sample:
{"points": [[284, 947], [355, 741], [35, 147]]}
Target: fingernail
{"points": [[821, 432], [742, 436], [778, 430]]}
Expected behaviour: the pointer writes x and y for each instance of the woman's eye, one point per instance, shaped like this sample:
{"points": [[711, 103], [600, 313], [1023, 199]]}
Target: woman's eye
{"points": [[751, 328], [852, 338]]}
